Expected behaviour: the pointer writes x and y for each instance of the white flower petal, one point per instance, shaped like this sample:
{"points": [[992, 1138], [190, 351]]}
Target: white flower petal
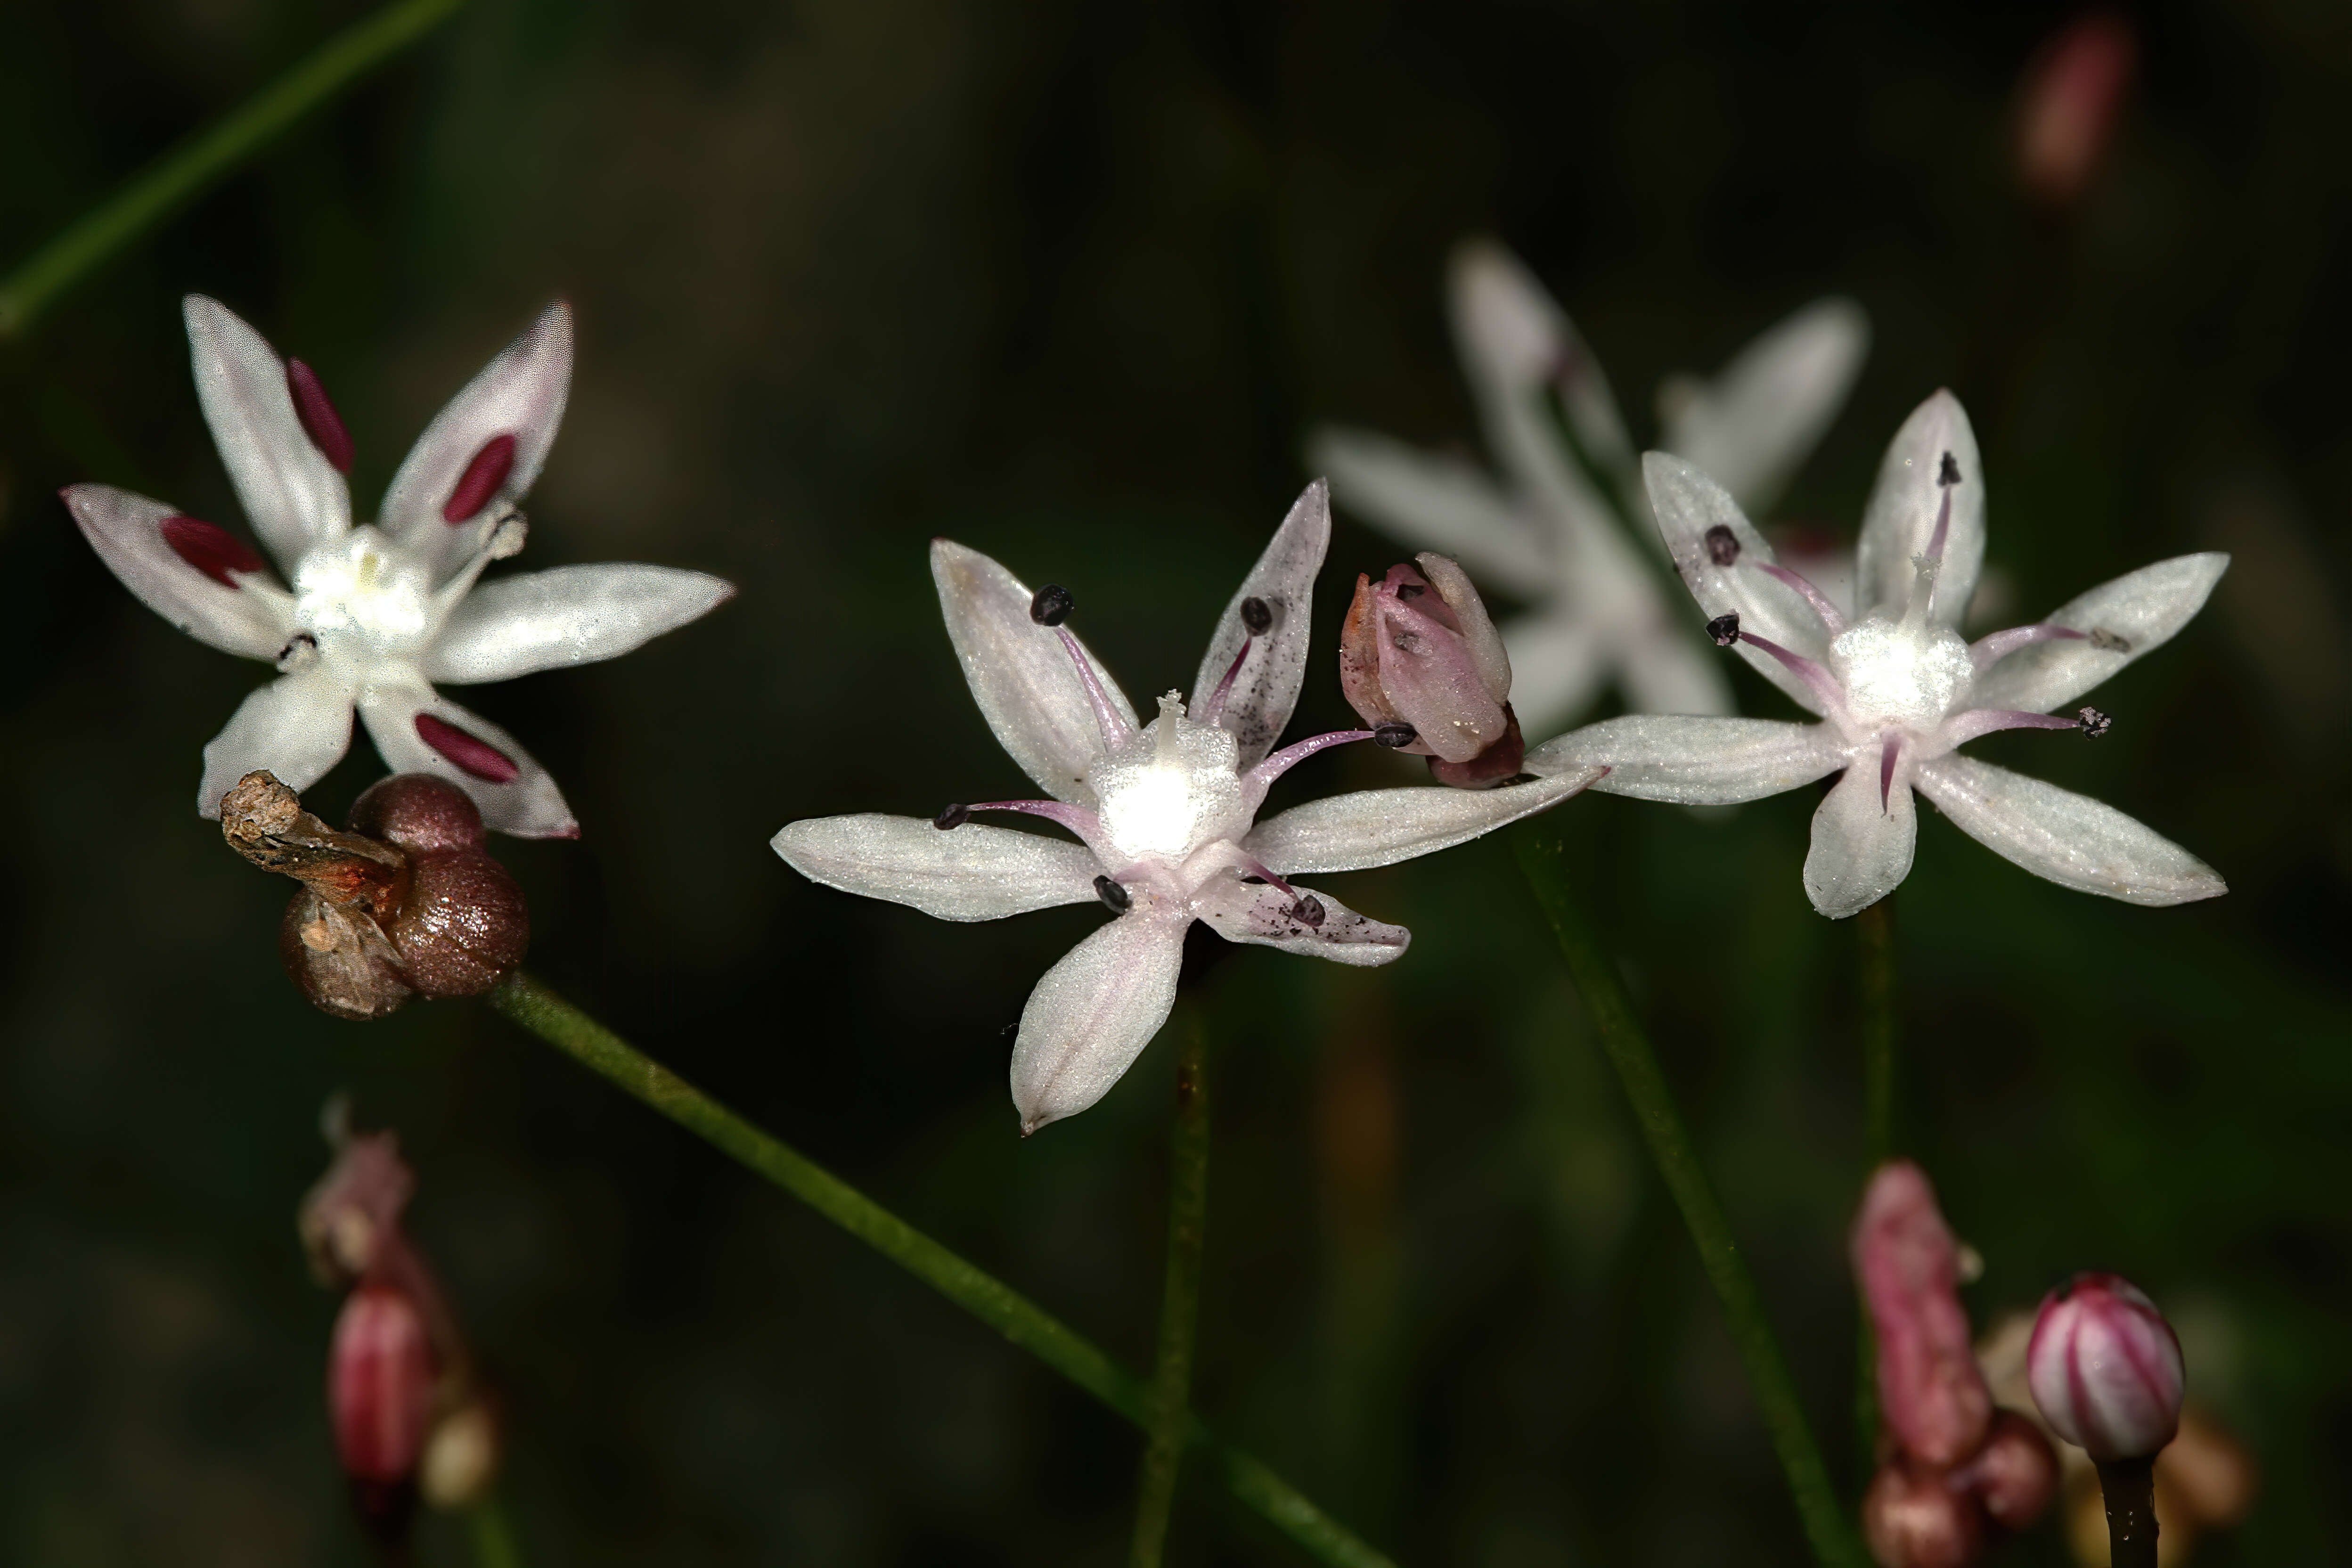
{"points": [[1687, 504], [969, 873], [1020, 674], [1261, 915], [570, 615], [1556, 667], [1901, 518], [1668, 669], [1514, 340], [298, 727], [1382, 827], [2071, 839], [1862, 841], [2141, 611], [1762, 416], [1428, 501], [254, 617], [1258, 707], [1693, 761], [420, 731], [519, 393], [292, 495], [1093, 1013]]}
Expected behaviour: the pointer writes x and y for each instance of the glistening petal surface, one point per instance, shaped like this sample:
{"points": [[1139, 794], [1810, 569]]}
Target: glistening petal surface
{"points": [[1093, 1013], [292, 495], [2139, 610], [1765, 412], [1862, 849], [1688, 504], [297, 726], [254, 618], [1430, 501], [1019, 672], [1692, 760], [526, 804], [1263, 915], [570, 615], [1382, 827], [970, 873], [521, 394], [2071, 839], [1258, 707], [1901, 517]]}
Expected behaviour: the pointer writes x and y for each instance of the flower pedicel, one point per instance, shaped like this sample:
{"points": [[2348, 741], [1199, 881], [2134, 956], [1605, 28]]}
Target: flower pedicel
{"points": [[1164, 812]]}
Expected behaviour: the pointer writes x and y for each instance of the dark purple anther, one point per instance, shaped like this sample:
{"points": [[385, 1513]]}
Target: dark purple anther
{"points": [[1722, 545], [2095, 723], [317, 413], [466, 752], [1308, 911], [1052, 605], [1948, 473], [1724, 629], [1115, 896], [952, 817], [215, 552], [1257, 616], [481, 481], [1395, 737]]}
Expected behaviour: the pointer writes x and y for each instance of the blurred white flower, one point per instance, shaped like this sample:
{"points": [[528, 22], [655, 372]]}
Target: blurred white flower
{"points": [[1897, 689], [1165, 812], [379, 613], [1556, 530]]}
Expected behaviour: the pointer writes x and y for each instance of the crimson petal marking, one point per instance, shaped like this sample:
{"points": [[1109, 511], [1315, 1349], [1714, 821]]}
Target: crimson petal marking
{"points": [[209, 548], [481, 479], [317, 412], [466, 752]]}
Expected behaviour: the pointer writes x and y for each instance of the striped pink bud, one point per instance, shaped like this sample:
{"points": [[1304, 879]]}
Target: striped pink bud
{"points": [[379, 1398], [2105, 1368]]}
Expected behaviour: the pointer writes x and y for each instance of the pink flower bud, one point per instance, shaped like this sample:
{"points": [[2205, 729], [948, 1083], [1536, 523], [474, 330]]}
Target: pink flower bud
{"points": [[1913, 1519], [352, 1214], [2105, 1369], [2072, 95], [379, 1399], [2015, 1474], [1929, 1390], [1419, 650]]}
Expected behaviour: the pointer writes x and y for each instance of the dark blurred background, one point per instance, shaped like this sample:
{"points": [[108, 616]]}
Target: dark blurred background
{"points": [[1070, 283]]}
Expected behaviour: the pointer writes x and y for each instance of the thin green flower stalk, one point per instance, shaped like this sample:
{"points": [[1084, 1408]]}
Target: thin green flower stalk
{"points": [[494, 1538], [1180, 1304], [543, 1013], [1834, 1541], [185, 172], [1874, 927]]}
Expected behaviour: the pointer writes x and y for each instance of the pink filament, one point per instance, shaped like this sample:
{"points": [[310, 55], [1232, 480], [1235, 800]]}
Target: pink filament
{"points": [[1988, 651], [1216, 704], [1962, 728], [1833, 618], [1290, 756], [1112, 724], [1813, 674]]}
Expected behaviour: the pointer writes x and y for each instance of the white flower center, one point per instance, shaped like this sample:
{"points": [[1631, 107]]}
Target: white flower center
{"points": [[1897, 675], [1173, 788], [362, 599]]}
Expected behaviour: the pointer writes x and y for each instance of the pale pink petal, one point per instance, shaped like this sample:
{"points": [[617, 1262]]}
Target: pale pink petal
{"points": [[970, 872], [197, 576], [420, 731], [1265, 687], [291, 490], [1907, 505], [1269, 916], [1093, 1013]]}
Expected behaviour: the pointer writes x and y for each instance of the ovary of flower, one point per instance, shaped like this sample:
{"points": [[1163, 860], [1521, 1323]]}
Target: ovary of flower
{"points": [[1896, 690], [1165, 813], [380, 613]]}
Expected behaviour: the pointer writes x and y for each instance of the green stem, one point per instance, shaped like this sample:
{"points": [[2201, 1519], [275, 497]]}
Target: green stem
{"points": [[494, 1538], [1630, 1052], [994, 1302], [186, 170], [1179, 1301], [1874, 930]]}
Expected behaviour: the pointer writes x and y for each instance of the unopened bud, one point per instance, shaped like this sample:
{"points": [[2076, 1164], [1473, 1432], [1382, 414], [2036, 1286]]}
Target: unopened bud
{"points": [[1913, 1519], [2068, 103], [1419, 650], [379, 1397], [1929, 1389], [353, 1212], [461, 1455], [2015, 1474], [2105, 1368]]}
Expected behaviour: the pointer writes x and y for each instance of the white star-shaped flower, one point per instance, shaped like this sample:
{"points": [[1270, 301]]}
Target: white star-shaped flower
{"points": [[1563, 534], [378, 614], [1165, 812], [1897, 689]]}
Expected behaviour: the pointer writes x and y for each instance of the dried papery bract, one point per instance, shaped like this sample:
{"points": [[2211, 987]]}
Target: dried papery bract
{"points": [[408, 903]]}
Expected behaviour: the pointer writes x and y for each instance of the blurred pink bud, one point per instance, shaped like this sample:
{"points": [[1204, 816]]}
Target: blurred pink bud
{"points": [[1929, 1390], [1419, 651], [2105, 1369], [2015, 1475], [353, 1212], [2068, 103], [378, 1398], [1913, 1519]]}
